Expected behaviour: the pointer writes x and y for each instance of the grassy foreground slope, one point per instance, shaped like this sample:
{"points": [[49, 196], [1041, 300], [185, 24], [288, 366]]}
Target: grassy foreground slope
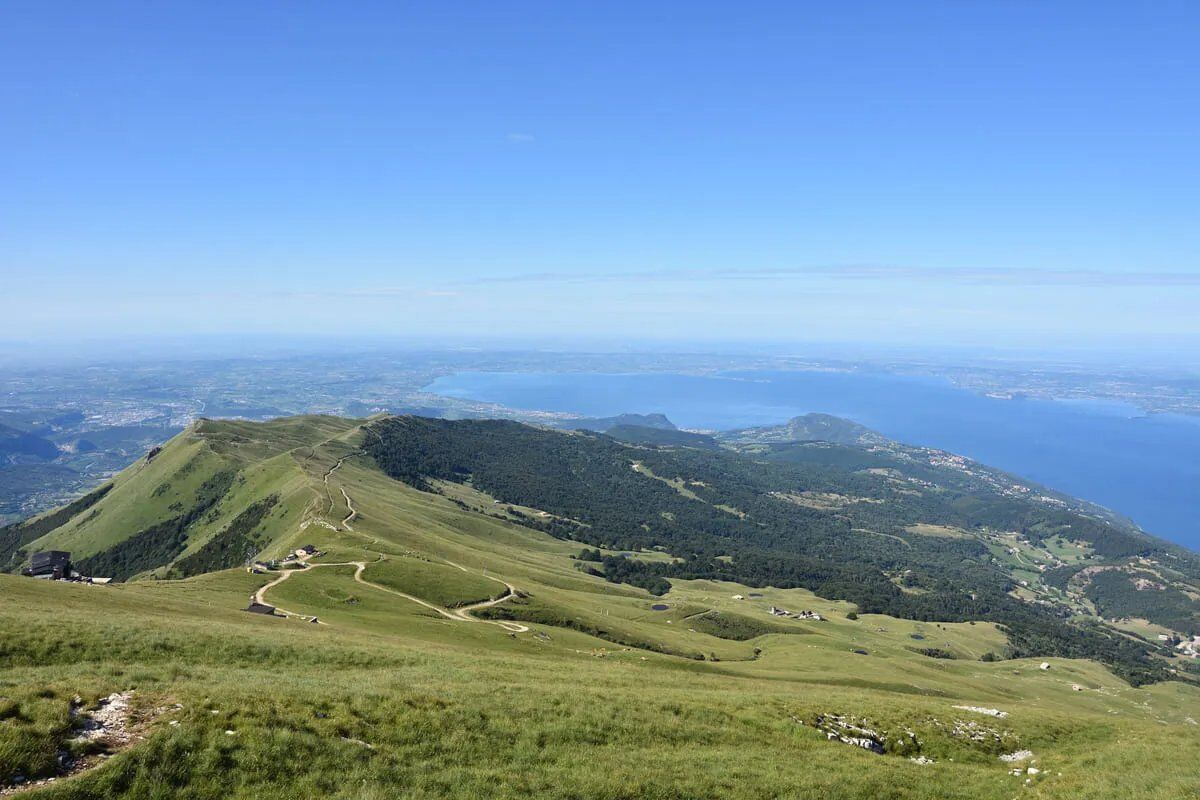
{"points": [[388, 700], [400, 692]]}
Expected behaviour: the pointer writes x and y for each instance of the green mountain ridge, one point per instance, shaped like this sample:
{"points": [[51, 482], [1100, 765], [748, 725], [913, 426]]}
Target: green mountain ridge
{"points": [[876, 526], [637, 434], [806, 428], [604, 424], [560, 613]]}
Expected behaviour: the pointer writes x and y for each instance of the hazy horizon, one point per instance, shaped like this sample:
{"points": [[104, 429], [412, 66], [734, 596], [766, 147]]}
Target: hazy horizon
{"points": [[1179, 357]]}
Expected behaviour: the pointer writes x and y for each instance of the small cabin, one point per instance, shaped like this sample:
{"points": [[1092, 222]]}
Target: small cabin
{"points": [[261, 608]]}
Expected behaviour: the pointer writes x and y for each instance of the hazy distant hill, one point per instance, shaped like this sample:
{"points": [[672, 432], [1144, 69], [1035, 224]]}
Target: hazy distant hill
{"points": [[603, 424], [664, 437], [807, 428], [15, 442]]}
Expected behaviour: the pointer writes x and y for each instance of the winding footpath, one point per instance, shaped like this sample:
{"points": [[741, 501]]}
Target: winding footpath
{"points": [[329, 494], [462, 614], [350, 506]]}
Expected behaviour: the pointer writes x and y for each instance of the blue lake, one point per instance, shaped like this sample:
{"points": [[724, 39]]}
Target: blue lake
{"points": [[1146, 467]]}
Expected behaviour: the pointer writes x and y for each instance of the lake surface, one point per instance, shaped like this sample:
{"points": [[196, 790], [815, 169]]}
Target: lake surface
{"points": [[1146, 467]]}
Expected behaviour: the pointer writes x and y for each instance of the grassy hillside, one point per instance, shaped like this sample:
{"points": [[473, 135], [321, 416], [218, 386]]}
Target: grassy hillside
{"points": [[568, 685], [207, 483]]}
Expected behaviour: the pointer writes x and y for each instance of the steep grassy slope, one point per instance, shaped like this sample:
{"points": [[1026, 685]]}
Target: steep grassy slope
{"points": [[252, 487]]}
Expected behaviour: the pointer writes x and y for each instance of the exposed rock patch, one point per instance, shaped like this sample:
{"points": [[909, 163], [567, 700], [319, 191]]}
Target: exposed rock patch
{"points": [[991, 712], [107, 723], [99, 733], [861, 732]]}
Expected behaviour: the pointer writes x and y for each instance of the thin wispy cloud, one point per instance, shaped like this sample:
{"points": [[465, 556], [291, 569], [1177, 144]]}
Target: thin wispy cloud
{"points": [[369, 291], [1016, 276]]}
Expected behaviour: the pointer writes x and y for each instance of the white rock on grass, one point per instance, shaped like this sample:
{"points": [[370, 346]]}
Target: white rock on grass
{"points": [[991, 712], [108, 721]]}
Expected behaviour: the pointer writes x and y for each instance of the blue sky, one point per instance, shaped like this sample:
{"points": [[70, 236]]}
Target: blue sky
{"points": [[971, 173]]}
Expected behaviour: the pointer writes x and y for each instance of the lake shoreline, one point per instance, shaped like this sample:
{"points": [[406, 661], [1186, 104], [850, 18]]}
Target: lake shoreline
{"points": [[1139, 464]]}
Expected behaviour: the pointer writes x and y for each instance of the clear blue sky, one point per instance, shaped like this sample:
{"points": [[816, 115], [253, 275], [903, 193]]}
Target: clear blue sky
{"points": [[966, 172]]}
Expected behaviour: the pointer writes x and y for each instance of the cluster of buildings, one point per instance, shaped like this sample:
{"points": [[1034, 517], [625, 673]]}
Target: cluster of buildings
{"points": [[776, 611], [1189, 648], [783, 612], [299, 554]]}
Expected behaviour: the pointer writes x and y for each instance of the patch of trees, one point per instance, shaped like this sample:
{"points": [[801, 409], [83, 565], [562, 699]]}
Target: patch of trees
{"points": [[934, 652], [230, 547], [14, 537], [1116, 595], [1035, 637], [1059, 577], [659, 437], [627, 570]]}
